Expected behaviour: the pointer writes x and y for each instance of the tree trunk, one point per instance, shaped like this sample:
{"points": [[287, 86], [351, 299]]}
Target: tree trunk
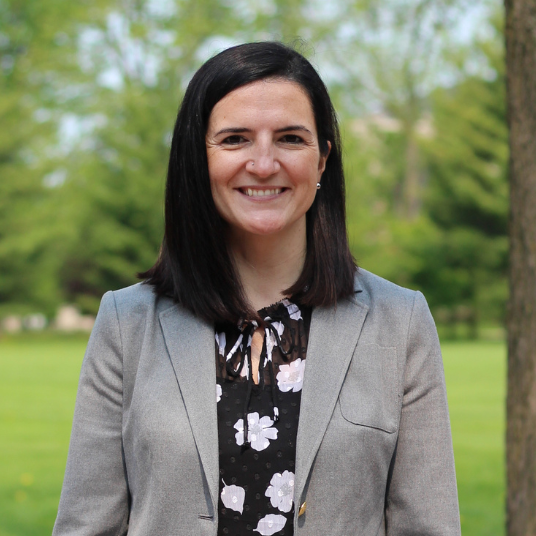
{"points": [[521, 401]]}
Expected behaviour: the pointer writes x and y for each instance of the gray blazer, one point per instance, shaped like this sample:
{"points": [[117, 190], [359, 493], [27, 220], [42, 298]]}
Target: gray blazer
{"points": [[374, 451]]}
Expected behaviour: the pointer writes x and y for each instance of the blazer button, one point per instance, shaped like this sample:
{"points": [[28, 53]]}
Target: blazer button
{"points": [[302, 509]]}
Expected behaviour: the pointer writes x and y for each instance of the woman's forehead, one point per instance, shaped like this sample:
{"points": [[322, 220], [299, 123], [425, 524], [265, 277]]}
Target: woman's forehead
{"points": [[264, 101]]}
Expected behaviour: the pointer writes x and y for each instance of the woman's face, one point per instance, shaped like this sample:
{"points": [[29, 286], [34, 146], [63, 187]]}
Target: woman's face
{"points": [[263, 158]]}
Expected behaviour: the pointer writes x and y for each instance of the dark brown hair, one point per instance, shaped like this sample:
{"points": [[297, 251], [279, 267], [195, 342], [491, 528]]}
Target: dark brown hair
{"points": [[194, 265]]}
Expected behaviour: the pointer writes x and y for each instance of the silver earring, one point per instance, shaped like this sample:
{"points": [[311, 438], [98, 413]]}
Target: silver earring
{"points": [[318, 186]]}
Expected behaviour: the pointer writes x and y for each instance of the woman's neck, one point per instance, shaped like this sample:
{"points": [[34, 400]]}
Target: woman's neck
{"points": [[267, 265]]}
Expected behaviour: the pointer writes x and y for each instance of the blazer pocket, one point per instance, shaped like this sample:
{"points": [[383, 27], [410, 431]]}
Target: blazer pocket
{"points": [[369, 395]]}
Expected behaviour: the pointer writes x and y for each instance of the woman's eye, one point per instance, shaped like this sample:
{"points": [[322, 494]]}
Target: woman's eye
{"points": [[292, 138], [233, 140]]}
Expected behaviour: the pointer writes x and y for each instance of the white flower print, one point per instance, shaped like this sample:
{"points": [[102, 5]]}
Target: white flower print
{"points": [[218, 392], [270, 524], [259, 431], [221, 341], [293, 310], [281, 491], [233, 497], [291, 376]]}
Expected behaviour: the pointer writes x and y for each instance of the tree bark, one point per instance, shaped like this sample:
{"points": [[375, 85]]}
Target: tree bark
{"points": [[520, 36]]}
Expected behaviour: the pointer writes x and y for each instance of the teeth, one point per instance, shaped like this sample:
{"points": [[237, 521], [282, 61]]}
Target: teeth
{"points": [[260, 193]]}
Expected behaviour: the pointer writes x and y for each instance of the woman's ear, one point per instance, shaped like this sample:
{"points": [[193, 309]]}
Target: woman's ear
{"points": [[323, 160]]}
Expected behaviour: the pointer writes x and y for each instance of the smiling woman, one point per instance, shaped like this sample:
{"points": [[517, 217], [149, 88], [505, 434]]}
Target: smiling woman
{"points": [[258, 381], [264, 160]]}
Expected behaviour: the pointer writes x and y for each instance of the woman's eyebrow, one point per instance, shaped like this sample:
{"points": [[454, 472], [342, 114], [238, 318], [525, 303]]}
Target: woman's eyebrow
{"points": [[232, 130], [294, 127]]}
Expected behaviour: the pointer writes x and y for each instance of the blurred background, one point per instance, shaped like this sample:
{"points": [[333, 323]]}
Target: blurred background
{"points": [[89, 92]]}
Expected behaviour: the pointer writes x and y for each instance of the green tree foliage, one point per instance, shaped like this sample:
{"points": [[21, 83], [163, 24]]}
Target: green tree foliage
{"points": [[467, 193], [33, 41], [454, 246]]}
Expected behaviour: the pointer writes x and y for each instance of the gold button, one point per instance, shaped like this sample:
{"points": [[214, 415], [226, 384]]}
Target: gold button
{"points": [[302, 509]]}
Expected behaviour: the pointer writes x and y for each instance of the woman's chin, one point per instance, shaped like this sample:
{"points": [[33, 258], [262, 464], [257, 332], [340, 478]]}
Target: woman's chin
{"points": [[267, 228], [262, 230]]}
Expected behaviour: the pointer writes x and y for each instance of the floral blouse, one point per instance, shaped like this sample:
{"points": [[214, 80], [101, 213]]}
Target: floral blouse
{"points": [[258, 423]]}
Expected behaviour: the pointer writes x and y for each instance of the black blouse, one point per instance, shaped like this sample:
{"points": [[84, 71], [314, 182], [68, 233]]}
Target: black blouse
{"points": [[258, 424]]}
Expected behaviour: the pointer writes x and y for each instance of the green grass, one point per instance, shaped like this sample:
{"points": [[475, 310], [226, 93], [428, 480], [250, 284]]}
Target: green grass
{"points": [[38, 379], [476, 386]]}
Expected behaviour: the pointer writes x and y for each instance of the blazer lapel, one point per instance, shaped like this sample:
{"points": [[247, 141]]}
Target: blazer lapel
{"points": [[190, 343], [333, 336]]}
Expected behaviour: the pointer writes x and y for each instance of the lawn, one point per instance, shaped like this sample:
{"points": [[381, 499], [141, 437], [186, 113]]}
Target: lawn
{"points": [[38, 378], [476, 386]]}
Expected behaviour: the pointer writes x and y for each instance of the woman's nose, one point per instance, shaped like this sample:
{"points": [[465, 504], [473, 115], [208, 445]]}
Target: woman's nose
{"points": [[263, 163]]}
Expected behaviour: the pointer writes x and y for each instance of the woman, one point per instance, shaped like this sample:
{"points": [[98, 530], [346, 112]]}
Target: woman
{"points": [[257, 382]]}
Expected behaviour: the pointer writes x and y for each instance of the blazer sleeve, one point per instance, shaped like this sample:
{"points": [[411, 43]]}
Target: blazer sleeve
{"points": [[421, 494], [94, 499]]}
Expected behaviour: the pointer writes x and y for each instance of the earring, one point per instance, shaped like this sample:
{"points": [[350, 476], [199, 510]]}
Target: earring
{"points": [[318, 186]]}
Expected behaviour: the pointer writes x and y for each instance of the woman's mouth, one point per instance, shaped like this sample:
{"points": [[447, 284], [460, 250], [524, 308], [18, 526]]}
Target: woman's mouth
{"points": [[251, 192]]}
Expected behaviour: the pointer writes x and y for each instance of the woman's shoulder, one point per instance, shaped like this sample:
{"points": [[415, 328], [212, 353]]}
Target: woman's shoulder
{"points": [[138, 298], [375, 289], [397, 312]]}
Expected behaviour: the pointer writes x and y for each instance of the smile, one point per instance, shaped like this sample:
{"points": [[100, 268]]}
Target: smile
{"points": [[250, 192]]}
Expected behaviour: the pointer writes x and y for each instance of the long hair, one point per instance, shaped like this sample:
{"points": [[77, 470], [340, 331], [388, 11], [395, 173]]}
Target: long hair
{"points": [[194, 265]]}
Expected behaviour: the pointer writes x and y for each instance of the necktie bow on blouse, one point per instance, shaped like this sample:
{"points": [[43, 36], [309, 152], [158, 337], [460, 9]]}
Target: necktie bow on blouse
{"points": [[274, 327]]}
